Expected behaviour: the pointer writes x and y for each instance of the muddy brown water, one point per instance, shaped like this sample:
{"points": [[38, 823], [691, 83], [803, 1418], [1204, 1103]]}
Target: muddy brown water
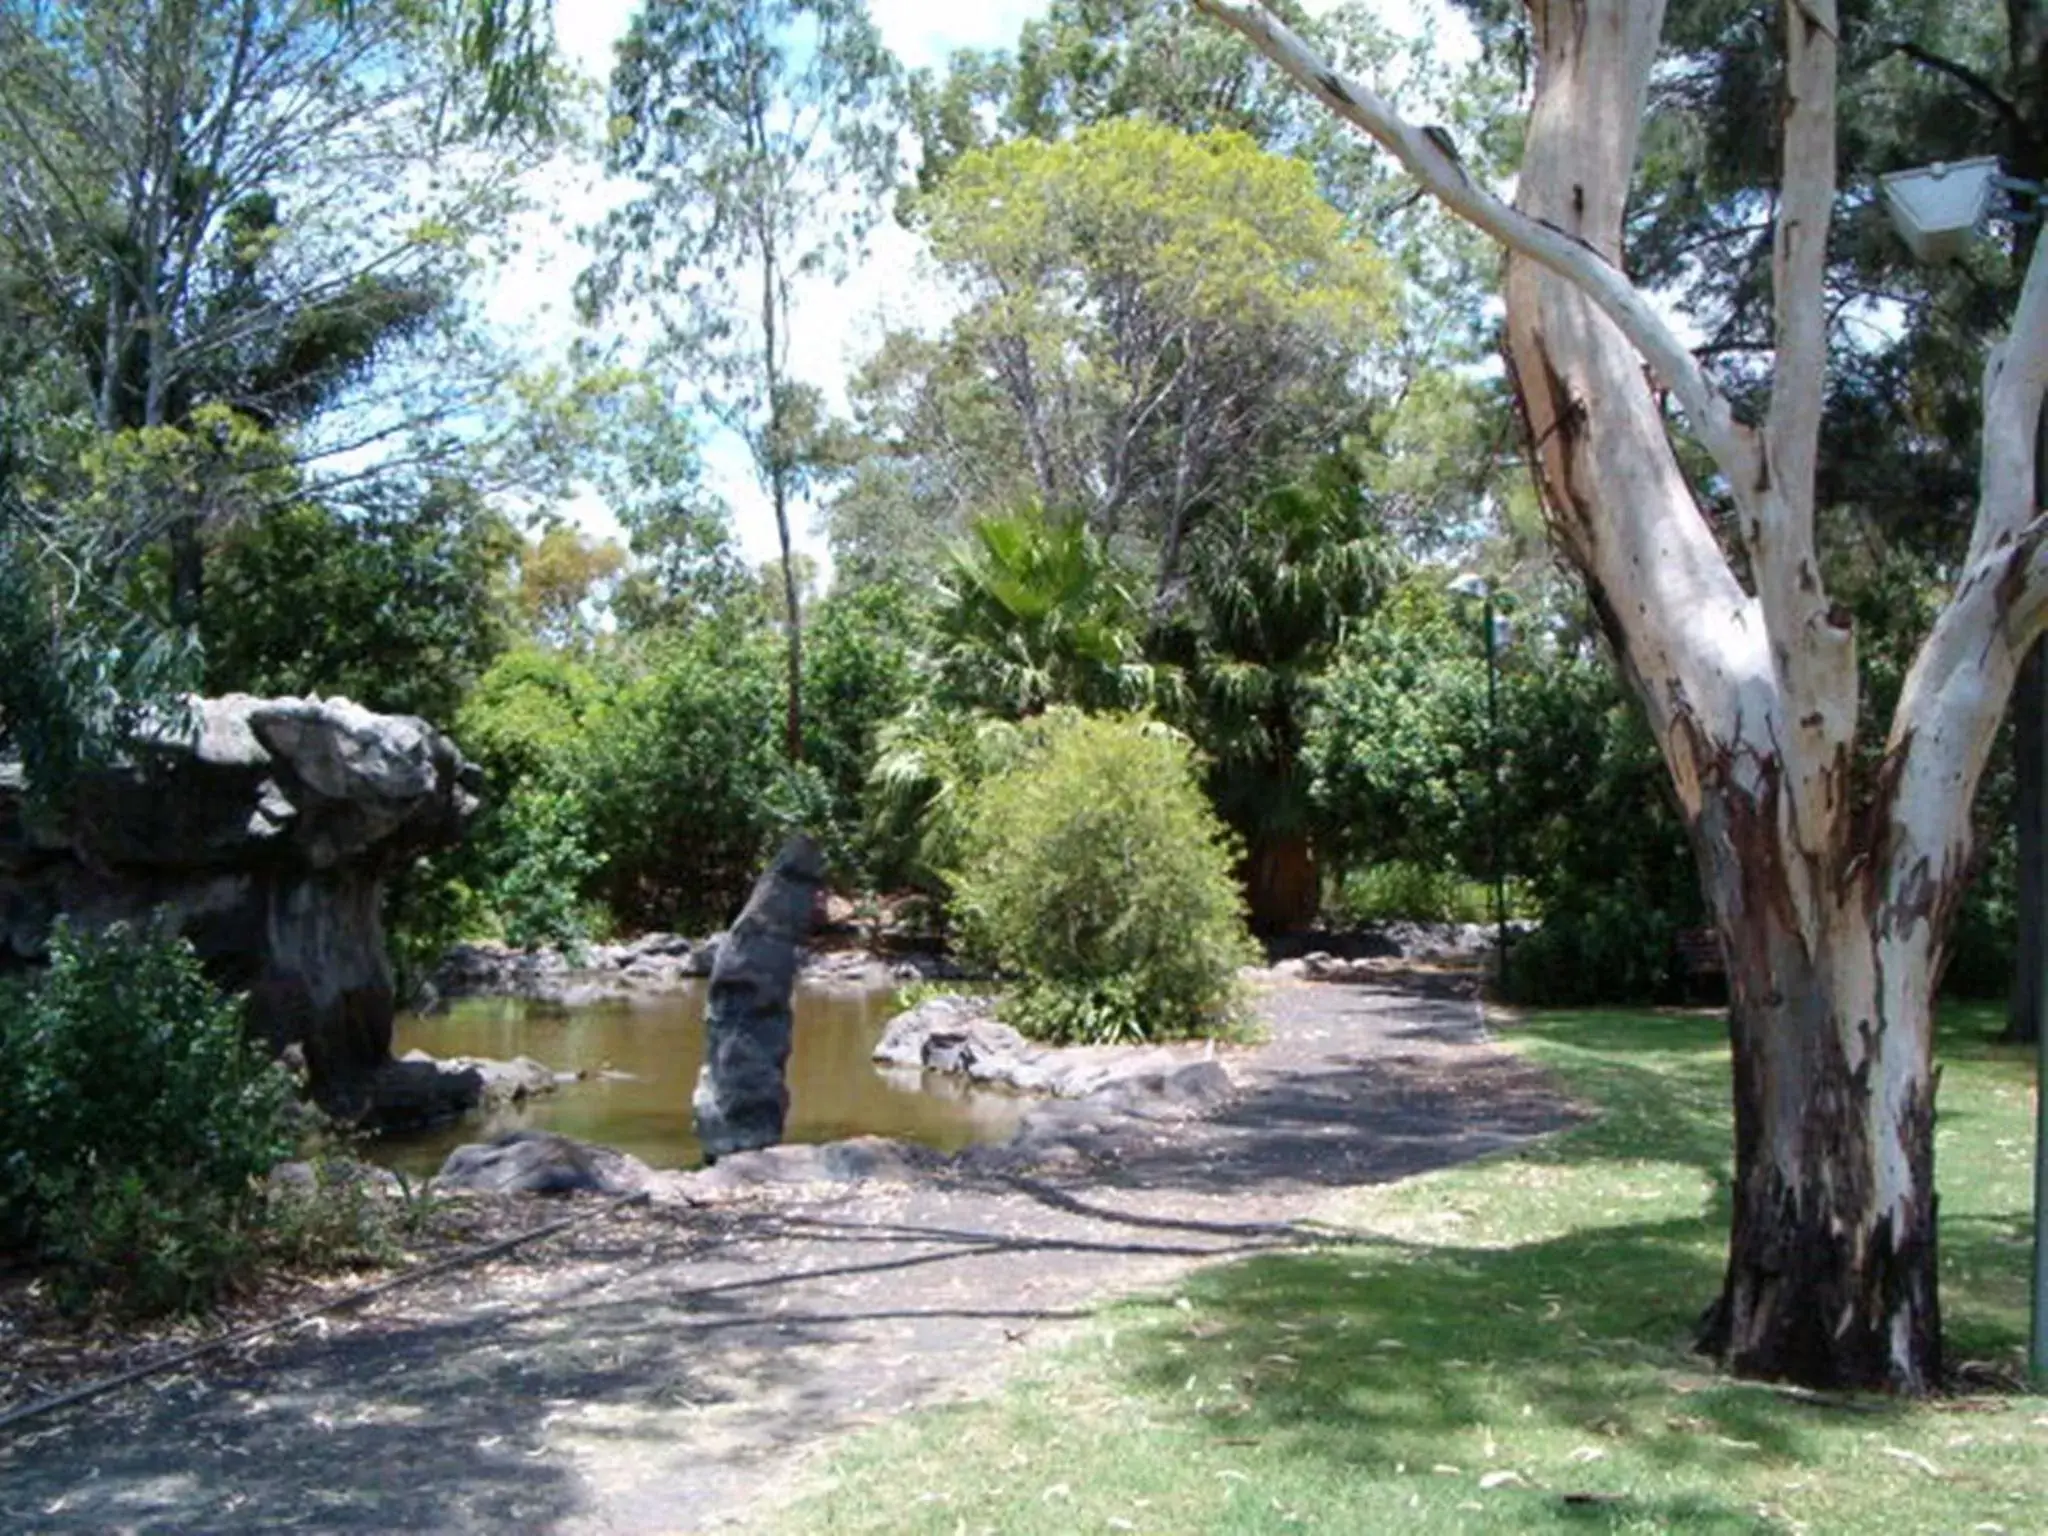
{"points": [[640, 1062]]}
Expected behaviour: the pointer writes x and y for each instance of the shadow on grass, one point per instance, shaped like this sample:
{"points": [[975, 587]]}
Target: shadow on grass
{"points": [[1382, 1357]]}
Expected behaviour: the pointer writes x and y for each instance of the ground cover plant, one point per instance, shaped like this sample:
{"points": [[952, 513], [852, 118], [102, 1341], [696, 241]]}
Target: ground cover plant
{"points": [[1506, 1346]]}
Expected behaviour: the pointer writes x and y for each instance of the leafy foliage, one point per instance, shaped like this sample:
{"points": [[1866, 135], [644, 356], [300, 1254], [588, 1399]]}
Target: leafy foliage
{"points": [[1160, 316], [862, 672], [1272, 587], [81, 669], [1095, 871], [919, 794], [685, 789], [541, 859], [140, 1121], [399, 602], [1033, 612], [217, 223], [1401, 752]]}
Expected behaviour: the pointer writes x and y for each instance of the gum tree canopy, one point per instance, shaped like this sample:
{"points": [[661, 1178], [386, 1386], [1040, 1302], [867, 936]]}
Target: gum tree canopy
{"points": [[1833, 890]]}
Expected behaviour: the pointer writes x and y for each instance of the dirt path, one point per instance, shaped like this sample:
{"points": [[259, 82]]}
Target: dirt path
{"points": [[656, 1371]]}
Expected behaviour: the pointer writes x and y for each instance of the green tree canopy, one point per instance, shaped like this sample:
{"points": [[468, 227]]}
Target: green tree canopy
{"points": [[1159, 323]]}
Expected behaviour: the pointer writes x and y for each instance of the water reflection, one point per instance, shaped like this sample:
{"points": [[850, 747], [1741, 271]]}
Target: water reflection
{"points": [[641, 1062]]}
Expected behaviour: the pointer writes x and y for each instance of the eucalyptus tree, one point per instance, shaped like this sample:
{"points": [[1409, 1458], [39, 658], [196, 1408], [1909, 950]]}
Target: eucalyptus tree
{"points": [[762, 137], [1833, 894]]}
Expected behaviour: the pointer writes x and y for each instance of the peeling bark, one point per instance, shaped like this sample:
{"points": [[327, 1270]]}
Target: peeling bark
{"points": [[1834, 917]]}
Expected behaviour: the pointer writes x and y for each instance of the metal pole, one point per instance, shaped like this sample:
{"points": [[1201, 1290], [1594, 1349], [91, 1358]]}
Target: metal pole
{"points": [[1500, 892], [2033, 952]]}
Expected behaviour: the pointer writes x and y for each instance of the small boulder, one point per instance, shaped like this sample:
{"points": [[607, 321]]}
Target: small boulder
{"points": [[860, 1159], [541, 1163], [303, 1179]]}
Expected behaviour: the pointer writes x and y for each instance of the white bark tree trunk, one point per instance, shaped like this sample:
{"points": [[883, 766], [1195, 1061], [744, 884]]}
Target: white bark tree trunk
{"points": [[1833, 912]]}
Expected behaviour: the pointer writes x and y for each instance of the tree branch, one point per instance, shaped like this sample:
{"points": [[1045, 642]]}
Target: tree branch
{"points": [[1799, 252], [2015, 379], [1707, 410], [1962, 679], [2009, 113]]}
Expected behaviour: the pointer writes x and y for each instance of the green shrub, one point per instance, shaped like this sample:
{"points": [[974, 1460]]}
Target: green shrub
{"points": [[683, 772], [542, 857], [1096, 873], [1400, 889], [140, 1122], [1598, 946]]}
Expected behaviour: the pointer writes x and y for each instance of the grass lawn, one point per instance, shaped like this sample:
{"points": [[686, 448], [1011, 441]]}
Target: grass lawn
{"points": [[1506, 1349]]}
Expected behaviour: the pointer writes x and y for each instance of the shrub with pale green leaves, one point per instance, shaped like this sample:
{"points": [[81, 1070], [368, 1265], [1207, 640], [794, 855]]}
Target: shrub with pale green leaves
{"points": [[1096, 874]]}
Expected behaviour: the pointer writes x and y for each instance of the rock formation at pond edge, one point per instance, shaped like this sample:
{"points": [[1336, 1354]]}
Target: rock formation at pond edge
{"points": [[742, 1098], [265, 832]]}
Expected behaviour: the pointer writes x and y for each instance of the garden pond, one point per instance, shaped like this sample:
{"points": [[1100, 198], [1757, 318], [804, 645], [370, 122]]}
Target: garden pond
{"points": [[639, 1060]]}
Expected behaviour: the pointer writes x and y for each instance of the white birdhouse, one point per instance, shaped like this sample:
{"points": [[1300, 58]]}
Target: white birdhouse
{"points": [[1938, 209]]}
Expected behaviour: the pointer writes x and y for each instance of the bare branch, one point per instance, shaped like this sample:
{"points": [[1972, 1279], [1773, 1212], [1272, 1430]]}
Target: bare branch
{"points": [[2015, 378], [2015, 121], [1799, 257], [1713, 422]]}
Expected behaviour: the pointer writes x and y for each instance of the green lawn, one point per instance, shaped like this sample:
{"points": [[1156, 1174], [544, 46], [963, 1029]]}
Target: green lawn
{"points": [[1506, 1349]]}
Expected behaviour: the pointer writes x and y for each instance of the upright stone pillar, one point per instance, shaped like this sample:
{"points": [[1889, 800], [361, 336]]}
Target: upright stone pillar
{"points": [[742, 1097]]}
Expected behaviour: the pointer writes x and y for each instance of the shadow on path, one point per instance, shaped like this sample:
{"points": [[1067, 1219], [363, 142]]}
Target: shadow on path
{"points": [[656, 1370]]}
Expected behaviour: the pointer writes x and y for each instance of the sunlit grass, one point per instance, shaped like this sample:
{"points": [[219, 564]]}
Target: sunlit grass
{"points": [[1506, 1346]]}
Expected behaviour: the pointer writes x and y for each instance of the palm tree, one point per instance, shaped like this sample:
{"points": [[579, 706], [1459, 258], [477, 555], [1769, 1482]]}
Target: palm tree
{"points": [[1271, 587], [1033, 612]]}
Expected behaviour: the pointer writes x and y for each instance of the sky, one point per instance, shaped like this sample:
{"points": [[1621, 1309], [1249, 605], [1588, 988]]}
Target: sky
{"points": [[836, 325]]}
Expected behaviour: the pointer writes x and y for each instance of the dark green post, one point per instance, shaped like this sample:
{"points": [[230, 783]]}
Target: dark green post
{"points": [[1500, 886]]}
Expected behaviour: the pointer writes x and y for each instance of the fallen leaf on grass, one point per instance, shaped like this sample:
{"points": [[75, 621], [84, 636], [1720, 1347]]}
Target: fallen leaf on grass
{"points": [[1506, 1478], [1911, 1459]]}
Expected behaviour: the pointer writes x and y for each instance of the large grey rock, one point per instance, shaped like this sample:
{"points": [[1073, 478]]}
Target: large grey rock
{"points": [[960, 1036], [657, 964], [541, 1163], [742, 1098], [265, 831]]}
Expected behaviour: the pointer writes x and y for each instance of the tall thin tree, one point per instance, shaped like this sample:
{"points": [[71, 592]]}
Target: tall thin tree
{"points": [[762, 134]]}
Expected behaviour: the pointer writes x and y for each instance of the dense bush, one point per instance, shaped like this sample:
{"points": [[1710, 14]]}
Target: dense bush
{"points": [[140, 1122], [859, 673], [541, 860], [1095, 871], [1397, 890], [1590, 838], [683, 774], [399, 602]]}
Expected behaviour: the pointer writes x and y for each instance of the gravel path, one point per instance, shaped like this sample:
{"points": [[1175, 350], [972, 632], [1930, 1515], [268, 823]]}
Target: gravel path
{"points": [[659, 1369]]}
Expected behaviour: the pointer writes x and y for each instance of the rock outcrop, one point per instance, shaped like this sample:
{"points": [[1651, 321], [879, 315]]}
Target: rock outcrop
{"points": [[265, 832], [961, 1036], [742, 1097], [654, 965]]}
